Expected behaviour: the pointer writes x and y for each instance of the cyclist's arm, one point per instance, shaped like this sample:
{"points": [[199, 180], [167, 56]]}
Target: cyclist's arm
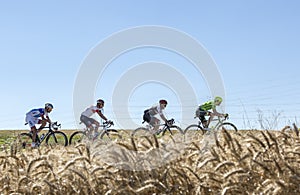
{"points": [[46, 118], [162, 116], [101, 115], [216, 113], [160, 112]]}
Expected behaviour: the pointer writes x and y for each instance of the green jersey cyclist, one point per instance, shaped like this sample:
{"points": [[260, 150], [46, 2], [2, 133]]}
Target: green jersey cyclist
{"points": [[209, 109]]}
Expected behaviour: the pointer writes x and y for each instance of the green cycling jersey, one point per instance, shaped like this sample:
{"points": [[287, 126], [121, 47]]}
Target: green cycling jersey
{"points": [[208, 106]]}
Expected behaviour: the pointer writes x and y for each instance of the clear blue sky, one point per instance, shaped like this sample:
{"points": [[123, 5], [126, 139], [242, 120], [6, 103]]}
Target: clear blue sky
{"points": [[254, 43]]}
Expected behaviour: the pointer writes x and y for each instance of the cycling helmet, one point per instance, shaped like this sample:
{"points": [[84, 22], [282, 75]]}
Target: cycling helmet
{"points": [[100, 101], [218, 99], [48, 105], [163, 102]]}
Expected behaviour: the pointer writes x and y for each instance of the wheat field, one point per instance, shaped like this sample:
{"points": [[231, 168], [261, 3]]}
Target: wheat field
{"points": [[224, 162]]}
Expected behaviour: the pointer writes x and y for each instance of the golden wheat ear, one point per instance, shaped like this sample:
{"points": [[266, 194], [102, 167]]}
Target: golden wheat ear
{"points": [[285, 128]]}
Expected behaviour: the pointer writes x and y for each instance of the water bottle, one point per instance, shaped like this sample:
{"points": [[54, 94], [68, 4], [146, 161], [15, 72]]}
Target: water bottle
{"points": [[42, 136]]}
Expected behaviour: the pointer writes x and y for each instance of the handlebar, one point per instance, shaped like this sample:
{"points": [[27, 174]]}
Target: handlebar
{"points": [[55, 125], [226, 116], [170, 122], [108, 124], [223, 118]]}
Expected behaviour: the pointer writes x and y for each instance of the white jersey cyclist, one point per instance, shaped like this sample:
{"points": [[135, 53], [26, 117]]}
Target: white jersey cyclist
{"points": [[156, 109], [86, 119], [92, 110], [150, 114]]}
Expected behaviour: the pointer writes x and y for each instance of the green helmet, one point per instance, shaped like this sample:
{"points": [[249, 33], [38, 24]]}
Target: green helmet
{"points": [[218, 99]]}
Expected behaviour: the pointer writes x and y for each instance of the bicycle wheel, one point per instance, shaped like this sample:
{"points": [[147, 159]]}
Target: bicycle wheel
{"points": [[77, 137], [110, 134], [142, 139], [141, 132], [24, 141], [193, 133], [57, 138], [227, 126], [194, 128]]}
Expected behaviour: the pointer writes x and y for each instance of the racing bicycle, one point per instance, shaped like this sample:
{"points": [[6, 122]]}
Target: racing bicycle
{"points": [[52, 138], [220, 124], [168, 129], [87, 134]]}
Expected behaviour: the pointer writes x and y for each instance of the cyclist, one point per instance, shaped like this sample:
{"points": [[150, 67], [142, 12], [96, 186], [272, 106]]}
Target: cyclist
{"points": [[206, 108], [150, 115], [38, 116], [86, 119]]}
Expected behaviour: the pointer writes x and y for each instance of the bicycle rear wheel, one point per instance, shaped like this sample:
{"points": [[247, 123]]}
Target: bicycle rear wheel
{"points": [[228, 127], [24, 141], [193, 133], [77, 137], [110, 134], [141, 132], [57, 138], [194, 128], [142, 139]]}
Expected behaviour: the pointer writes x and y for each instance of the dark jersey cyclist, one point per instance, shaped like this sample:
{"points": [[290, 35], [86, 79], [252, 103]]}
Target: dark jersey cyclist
{"points": [[155, 114]]}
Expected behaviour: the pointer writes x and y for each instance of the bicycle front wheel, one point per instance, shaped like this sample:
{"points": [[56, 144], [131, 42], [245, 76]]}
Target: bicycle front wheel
{"points": [[228, 127], [77, 137], [57, 138], [110, 134]]}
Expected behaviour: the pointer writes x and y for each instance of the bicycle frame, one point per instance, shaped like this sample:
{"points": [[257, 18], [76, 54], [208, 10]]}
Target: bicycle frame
{"points": [[40, 139], [89, 132], [219, 125], [166, 127], [52, 137], [103, 127], [219, 120]]}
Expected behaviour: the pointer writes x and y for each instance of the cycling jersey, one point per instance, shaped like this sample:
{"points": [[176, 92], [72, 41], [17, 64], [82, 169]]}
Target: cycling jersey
{"points": [[91, 110], [156, 109], [36, 113], [32, 117], [208, 106]]}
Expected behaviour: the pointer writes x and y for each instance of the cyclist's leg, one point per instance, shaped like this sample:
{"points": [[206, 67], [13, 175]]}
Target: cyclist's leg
{"points": [[97, 125], [202, 118], [154, 122], [32, 122], [85, 120], [211, 116], [42, 123]]}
